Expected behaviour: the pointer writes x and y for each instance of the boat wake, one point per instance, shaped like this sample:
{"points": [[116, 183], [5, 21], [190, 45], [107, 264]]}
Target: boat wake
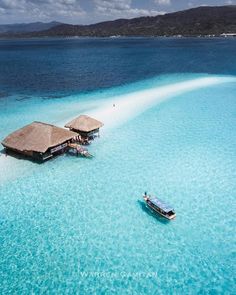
{"points": [[120, 109]]}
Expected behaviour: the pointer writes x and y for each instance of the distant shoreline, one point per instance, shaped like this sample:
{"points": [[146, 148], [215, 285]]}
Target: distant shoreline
{"points": [[117, 38], [203, 21]]}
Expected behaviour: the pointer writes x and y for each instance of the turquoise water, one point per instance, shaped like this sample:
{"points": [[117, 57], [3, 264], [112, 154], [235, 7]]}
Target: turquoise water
{"points": [[74, 225]]}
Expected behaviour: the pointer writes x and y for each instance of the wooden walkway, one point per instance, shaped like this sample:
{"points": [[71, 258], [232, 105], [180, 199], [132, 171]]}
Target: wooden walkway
{"points": [[79, 150]]}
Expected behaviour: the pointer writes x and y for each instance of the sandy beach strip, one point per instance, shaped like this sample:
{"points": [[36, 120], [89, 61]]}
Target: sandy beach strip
{"points": [[120, 109], [116, 111]]}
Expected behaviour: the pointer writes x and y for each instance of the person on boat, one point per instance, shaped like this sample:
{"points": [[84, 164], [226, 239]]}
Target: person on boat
{"points": [[145, 196]]}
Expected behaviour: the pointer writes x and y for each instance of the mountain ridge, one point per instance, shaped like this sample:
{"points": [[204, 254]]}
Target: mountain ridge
{"points": [[27, 27], [203, 20]]}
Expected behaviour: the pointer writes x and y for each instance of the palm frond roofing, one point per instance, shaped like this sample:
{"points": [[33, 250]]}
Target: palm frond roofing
{"points": [[37, 137], [84, 123]]}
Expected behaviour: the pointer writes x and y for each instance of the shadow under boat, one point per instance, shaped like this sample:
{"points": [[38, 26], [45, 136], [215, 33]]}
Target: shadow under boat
{"points": [[157, 216]]}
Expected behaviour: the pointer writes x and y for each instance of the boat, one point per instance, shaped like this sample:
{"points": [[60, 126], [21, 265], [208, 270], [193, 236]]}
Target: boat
{"points": [[158, 206]]}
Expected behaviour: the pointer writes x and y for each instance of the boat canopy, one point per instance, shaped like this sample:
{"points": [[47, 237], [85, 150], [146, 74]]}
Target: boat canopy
{"points": [[160, 204]]}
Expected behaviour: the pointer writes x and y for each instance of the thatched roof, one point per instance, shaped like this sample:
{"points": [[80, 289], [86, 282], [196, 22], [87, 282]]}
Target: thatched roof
{"points": [[37, 137], [84, 123]]}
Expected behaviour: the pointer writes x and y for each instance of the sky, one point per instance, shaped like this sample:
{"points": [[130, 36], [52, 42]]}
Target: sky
{"points": [[92, 11]]}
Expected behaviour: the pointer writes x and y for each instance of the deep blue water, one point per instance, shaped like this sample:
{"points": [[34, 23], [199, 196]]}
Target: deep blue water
{"points": [[77, 226], [68, 66]]}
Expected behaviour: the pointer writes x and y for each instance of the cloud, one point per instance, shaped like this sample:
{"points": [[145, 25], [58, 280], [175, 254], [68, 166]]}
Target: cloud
{"points": [[121, 8], [41, 9], [112, 5], [71, 11], [163, 2], [11, 4]]}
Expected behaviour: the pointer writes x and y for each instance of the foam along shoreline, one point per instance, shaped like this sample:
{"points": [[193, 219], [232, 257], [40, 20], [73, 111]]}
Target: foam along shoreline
{"points": [[120, 109]]}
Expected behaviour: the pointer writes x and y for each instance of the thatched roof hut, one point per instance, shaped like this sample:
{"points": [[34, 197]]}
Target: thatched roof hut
{"points": [[84, 124], [37, 137]]}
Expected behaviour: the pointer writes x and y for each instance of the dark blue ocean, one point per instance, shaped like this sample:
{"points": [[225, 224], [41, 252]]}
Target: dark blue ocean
{"points": [[74, 65], [78, 226]]}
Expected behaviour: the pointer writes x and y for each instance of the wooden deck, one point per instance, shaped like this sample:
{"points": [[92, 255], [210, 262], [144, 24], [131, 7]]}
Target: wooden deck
{"points": [[79, 150]]}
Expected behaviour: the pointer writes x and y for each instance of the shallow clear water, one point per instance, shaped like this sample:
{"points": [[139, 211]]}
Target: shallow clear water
{"points": [[75, 225]]}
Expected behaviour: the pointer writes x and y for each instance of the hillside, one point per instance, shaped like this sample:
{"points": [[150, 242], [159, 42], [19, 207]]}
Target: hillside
{"points": [[203, 20], [26, 28]]}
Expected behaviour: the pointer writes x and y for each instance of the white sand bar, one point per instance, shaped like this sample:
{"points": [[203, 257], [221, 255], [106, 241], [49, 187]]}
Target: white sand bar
{"points": [[126, 107], [121, 108]]}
